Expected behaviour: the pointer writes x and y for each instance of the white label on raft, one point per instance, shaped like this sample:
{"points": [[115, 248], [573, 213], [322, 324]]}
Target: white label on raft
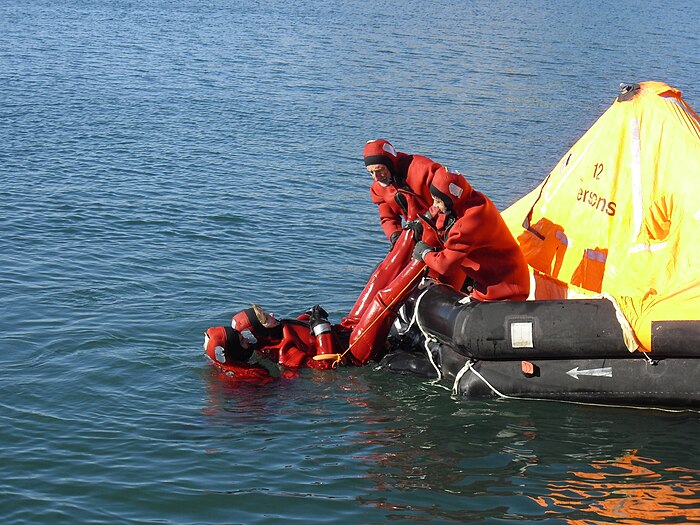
{"points": [[521, 335]]}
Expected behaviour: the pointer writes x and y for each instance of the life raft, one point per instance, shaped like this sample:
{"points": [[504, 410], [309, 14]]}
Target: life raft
{"points": [[569, 350]]}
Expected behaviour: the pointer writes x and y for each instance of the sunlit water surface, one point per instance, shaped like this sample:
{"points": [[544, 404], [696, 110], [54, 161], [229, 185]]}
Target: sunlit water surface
{"points": [[163, 164]]}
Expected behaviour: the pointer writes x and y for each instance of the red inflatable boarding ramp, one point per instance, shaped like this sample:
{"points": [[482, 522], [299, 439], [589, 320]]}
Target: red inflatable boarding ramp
{"points": [[395, 261], [368, 336]]}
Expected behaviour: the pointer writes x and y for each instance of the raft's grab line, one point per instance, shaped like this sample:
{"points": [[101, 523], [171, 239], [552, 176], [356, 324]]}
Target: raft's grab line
{"points": [[427, 337], [469, 366]]}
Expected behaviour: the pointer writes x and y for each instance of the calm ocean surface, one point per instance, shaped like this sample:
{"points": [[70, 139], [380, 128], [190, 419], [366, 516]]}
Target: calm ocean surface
{"points": [[165, 163]]}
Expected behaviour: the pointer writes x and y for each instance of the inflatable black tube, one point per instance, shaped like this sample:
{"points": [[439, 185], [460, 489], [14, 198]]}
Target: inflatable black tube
{"points": [[554, 329], [409, 363], [668, 382], [523, 329], [675, 338], [569, 350]]}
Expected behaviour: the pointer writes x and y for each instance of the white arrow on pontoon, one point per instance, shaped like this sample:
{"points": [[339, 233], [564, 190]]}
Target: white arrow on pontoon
{"points": [[600, 372]]}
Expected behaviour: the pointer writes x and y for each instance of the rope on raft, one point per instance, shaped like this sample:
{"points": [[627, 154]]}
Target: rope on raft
{"points": [[427, 338]]}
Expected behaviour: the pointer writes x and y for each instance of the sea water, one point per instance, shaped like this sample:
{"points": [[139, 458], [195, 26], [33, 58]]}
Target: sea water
{"points": [[165, 163]]}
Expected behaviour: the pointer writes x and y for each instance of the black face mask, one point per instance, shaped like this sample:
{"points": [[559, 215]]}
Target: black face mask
{"points": [[233, 349]]}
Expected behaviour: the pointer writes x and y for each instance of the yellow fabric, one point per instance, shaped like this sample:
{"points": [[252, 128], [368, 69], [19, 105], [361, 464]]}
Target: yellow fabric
{"points": [[620, 212]]}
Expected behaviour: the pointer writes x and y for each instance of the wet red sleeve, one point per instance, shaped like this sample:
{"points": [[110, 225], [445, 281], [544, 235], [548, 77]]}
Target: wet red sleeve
{"points": [[293, 352], [444, 262]]}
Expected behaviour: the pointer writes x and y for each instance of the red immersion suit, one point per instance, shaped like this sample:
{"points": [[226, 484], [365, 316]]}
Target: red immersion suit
{"points": [[292, 342], [229, 353], [476, 243], [408, 194]]}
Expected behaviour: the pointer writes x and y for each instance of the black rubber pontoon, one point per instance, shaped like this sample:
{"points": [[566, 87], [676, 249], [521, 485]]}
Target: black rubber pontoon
{"points": [[569, 350]]}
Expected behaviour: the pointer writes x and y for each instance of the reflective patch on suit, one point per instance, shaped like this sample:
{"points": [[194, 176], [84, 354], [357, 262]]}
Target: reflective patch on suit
{"points": [[219, 354], [248, 336]]}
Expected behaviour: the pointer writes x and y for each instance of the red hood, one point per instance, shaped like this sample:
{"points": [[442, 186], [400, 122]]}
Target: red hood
{"points": [[453, 189], [222, 344], [381, 151]]}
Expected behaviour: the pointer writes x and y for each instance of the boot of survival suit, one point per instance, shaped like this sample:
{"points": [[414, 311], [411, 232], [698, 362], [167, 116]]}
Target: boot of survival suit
{"points": [[383, 275], [371, 331]]}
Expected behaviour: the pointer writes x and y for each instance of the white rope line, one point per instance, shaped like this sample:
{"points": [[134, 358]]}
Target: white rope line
{"points": [[459, 375], [650, 361], [426, 336], [493, 389], [432, 362], [410, 324], [414, 315], [468, 366]]}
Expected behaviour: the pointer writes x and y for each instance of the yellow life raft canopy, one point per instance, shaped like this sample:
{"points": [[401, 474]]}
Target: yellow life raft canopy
{"points": [[620, 215]]}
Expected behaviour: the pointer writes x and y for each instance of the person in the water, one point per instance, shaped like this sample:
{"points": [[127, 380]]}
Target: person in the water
{"points": [[292, 343]]}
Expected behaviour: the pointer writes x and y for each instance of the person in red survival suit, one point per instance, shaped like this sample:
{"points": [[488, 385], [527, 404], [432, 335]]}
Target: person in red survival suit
{"points": [[401, 192], [475, 247], [230, 352], [292, 343], [401, 184]]}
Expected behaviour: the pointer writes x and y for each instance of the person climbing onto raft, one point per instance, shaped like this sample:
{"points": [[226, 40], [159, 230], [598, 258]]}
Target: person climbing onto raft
{"points": [[291, 343], [474, 246]]}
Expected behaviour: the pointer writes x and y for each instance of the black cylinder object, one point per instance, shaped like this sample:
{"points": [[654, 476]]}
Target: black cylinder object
{"points": [[523, 329]]}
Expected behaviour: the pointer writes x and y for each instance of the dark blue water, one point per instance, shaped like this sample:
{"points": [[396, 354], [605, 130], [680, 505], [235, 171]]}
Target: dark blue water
{"points": [[165, 163]]}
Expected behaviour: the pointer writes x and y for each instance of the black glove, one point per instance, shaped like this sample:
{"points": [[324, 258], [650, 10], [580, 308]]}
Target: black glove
{"points": [[416, 227], [421, 249], [394, 237]]}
